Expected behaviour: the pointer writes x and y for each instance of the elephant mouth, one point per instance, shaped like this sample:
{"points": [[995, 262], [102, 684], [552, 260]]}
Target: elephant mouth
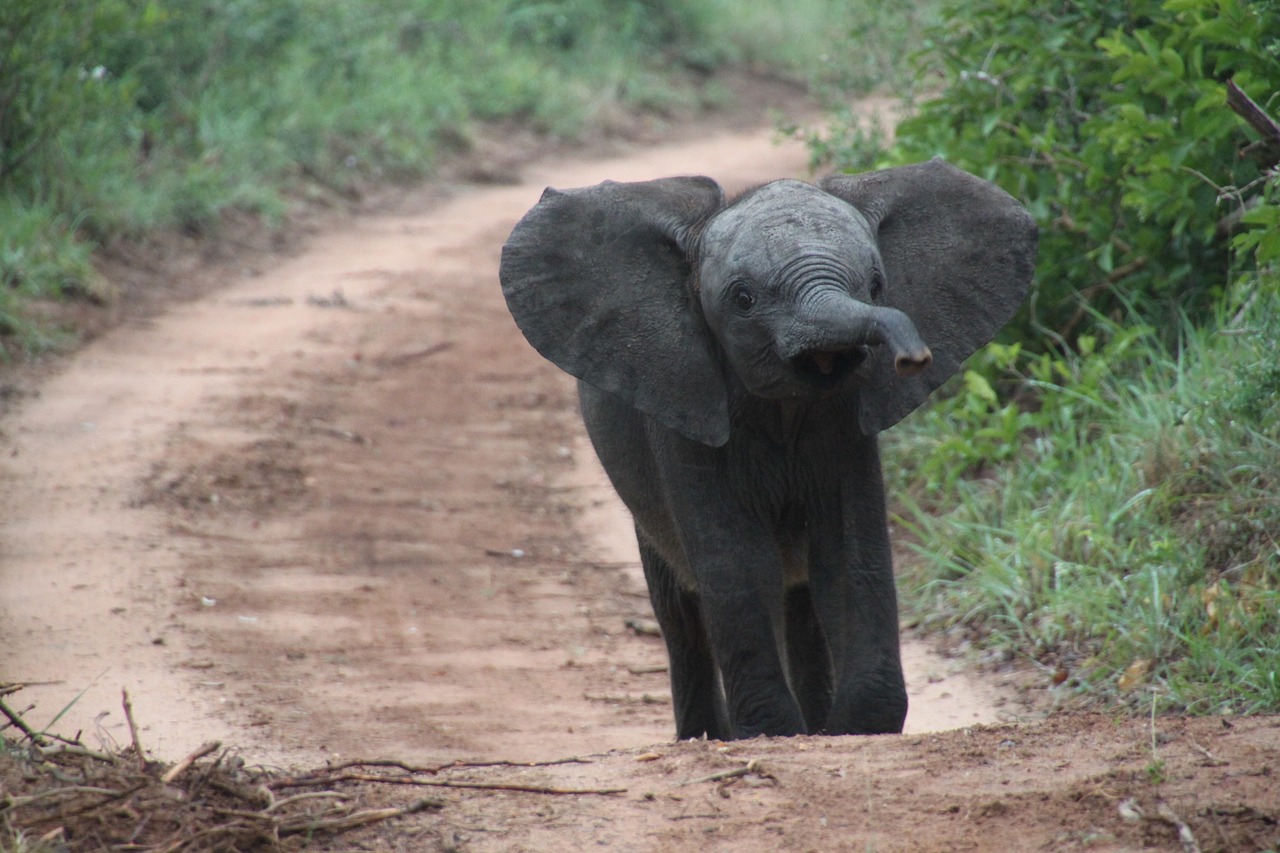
{"points": [[830, 365]]}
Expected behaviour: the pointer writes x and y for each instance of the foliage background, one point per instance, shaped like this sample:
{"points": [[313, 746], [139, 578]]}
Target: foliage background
{"points": [[124, 118], [1097, 493]]}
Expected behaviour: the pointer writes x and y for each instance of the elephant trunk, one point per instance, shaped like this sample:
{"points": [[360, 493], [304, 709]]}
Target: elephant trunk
{"points": [[845, 328]]}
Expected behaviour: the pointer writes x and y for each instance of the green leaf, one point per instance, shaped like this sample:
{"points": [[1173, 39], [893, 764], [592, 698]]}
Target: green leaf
{"points": [[1173, 61], [978, 386]]}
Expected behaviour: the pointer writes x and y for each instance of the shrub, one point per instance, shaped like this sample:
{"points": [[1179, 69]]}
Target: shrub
{"points": [[1109, 121]]}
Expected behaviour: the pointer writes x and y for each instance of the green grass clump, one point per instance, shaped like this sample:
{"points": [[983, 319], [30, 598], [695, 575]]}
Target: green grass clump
{"points": [[40, 259], [1120, 518]]}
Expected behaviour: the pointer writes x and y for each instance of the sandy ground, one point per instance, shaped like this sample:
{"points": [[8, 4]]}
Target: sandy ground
{"points": [[338, 508]]}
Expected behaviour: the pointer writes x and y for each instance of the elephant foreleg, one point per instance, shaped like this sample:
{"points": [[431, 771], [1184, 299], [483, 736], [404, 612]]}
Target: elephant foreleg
{"points": [[808, 661], [851, 576], [695, 690]]}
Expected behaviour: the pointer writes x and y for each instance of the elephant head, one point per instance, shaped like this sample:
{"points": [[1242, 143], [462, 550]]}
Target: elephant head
{"points": [[663, 294]]}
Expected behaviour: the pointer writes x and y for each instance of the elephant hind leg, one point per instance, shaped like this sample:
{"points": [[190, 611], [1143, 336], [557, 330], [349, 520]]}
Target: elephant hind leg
{"points": [[695, 688], [808, 659]]}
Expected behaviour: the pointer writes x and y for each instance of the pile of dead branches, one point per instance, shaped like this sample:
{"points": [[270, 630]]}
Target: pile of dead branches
{"points": [[64, 796], [59, 795]]}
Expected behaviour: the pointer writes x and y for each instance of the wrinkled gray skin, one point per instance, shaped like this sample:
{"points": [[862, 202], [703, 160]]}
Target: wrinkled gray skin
{"points": [[736, 362]]}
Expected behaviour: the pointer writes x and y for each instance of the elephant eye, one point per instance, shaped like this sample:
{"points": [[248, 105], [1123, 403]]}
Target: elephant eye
{"points": [[742, 296]]}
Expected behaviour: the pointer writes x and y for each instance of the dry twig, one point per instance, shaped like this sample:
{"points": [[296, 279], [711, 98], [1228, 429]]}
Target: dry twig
{"points": [[10, 803], [351, 821], [77, 749], [647, 670], [405, 358], [182, 766], [17, 722], [108, 796], [133, 729], [430, 769], [751, 767], [334, 778]]}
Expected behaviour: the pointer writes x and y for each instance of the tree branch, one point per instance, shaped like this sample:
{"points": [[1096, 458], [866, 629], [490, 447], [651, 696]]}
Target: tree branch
{"points": [[1246, 108]]}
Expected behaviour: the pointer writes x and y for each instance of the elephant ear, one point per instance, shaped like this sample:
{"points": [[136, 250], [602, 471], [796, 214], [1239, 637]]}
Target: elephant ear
{"points": [[599, 280], [958, 255]]}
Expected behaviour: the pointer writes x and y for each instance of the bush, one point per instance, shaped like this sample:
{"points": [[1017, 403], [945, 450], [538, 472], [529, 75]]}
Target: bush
{"points": [[1109, 121]]}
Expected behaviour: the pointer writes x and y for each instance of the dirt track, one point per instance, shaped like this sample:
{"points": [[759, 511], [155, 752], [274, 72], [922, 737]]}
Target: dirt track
{"points": [[339, 508]]}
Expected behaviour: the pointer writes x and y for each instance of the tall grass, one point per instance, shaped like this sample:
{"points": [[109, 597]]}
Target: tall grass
{"points": [[1120, 523]]}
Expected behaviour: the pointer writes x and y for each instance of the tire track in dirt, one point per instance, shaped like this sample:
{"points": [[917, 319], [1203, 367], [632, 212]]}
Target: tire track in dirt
{"points": [[339, 509]]}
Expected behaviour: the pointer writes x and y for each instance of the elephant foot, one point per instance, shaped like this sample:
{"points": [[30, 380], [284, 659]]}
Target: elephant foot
{"points": [[872, 704]]}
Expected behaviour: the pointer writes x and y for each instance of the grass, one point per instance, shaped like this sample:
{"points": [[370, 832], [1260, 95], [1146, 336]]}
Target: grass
{"points": [[1118, 521], [842, 49], [137, 118]]}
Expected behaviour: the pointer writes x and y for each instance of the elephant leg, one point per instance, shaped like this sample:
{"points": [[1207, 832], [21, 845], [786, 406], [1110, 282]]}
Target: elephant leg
{"points": [[851, 576], [745, 629], [695, 692], [736, 564], [808, 659], [870, 694]]}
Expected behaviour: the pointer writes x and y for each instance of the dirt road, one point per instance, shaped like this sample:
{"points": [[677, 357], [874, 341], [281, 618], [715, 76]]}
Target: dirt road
{"points": [[338, 508]]}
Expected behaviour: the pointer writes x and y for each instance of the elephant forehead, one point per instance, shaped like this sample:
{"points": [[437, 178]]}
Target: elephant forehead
{"points": [[784, 211], [781, 220]]}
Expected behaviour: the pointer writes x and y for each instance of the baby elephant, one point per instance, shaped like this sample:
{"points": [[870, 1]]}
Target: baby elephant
{"points": [[735, 362]]}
